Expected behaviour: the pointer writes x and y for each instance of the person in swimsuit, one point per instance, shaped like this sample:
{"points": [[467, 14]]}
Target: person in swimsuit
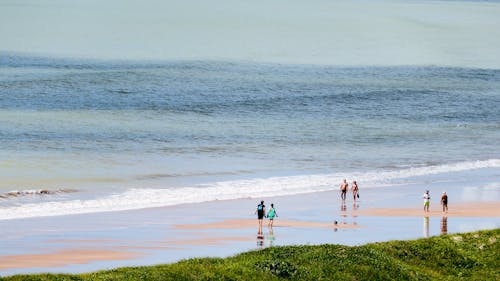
{"points": [[261, 212], [427, 201], [343, 189], [270, 215], [354, 189], [444, 202]]}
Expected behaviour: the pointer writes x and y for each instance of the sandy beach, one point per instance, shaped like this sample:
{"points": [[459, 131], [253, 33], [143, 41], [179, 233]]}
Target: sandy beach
{"points": [[83, 243], [249, 223], [473, 209], [62, 258]]}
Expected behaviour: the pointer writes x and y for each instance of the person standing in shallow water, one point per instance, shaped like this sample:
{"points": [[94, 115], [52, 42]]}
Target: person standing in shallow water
{"points": [[427, 201], [343, 189], [261, 212], [270, 215], [354, 189], [444, 202]]}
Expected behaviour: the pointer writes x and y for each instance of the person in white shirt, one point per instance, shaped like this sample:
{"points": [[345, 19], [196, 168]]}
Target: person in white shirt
{"points": [[427, 201]]}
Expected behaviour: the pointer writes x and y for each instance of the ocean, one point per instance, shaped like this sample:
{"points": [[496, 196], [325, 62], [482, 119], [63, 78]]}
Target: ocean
{"points": [[86, 136]]}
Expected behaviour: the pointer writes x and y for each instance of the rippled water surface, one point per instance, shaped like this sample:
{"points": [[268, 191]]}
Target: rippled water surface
{"points": [[110, 127]]}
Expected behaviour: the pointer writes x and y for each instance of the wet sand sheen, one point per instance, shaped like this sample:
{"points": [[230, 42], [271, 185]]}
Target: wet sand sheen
{"points": [[206, 232], [252, 223], [485, 209], [64, 257]]}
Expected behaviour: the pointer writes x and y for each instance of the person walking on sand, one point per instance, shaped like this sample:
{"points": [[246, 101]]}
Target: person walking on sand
{"points": [[261, 212], [354, 189], [343, 189], [427, 201], [444, 202], [270, 215]]}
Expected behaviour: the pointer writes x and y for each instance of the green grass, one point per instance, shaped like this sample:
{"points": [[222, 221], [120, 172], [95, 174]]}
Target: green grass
{"points": [[469, 256]]}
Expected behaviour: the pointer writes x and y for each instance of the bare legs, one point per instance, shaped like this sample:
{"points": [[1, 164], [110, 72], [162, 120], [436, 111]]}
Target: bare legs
{"points": [[445, 208], [426, 207]]}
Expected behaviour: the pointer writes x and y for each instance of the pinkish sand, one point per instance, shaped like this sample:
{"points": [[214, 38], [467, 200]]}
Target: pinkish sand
{"points": [[84, 243], [63, 257], [81, 255], [483, 209]]}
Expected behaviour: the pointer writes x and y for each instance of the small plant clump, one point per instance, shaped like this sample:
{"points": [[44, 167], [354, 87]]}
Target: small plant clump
{"points": [[279, 268]]}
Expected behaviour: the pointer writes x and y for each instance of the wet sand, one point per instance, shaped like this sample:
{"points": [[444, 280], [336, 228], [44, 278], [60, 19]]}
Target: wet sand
{"points": [[472, 209], [90, 242], [251, 223], [63, 257]]}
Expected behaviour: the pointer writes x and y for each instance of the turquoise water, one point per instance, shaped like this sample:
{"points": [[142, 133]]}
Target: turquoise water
{"points": [[220, 130], [362, 32]]}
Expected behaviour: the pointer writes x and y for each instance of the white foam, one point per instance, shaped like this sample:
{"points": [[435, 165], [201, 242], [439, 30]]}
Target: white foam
{"points": [[139, 198], [26, 192]]}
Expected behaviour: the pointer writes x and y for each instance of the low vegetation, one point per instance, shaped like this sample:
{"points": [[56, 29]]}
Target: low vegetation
{"points": [[470, 256]]}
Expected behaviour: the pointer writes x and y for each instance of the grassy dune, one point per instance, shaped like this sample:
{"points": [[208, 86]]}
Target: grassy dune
{"points": [[469, 256]]}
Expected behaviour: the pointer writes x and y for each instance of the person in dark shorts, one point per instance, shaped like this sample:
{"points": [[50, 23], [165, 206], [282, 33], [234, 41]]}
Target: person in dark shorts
{"points": [[343, 189], [444, 202], [261, 213]]}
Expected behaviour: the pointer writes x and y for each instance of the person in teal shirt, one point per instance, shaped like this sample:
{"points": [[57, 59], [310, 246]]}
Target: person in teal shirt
{"points": [[271, 214]]}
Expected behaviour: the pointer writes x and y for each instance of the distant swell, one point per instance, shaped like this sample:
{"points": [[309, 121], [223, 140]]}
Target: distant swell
{"points": [[237, 189]]}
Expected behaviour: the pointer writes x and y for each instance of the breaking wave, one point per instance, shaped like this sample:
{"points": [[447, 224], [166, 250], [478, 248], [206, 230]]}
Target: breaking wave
{"points": [[139, 198]]}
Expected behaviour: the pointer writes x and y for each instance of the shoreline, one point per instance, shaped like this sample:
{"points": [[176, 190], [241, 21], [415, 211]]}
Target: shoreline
{"points": [[222, 228], [208, 232]]}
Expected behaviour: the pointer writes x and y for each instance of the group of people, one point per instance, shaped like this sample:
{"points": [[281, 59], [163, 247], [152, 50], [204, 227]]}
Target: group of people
{"points": [[354, 188], [271, 214], [427, 201], [427, 198]]}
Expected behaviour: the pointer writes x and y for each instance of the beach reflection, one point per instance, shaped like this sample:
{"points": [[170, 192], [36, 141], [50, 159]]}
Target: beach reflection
{"points": [[344, 214], [354, 209], [426, 227], [260, 241], [444, 225], [343, 209], [270, 238], [267, 240], [355, 206]]}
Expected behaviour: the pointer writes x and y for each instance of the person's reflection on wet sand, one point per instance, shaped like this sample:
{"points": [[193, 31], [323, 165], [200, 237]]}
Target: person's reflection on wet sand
{"points": [[426, 227], [260, 241], [343, 210], [270, 238], [444, 225], [354, 209]]}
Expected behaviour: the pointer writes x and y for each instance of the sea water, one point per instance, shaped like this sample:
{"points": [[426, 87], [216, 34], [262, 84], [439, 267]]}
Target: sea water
{"points": [[83, 136]]}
